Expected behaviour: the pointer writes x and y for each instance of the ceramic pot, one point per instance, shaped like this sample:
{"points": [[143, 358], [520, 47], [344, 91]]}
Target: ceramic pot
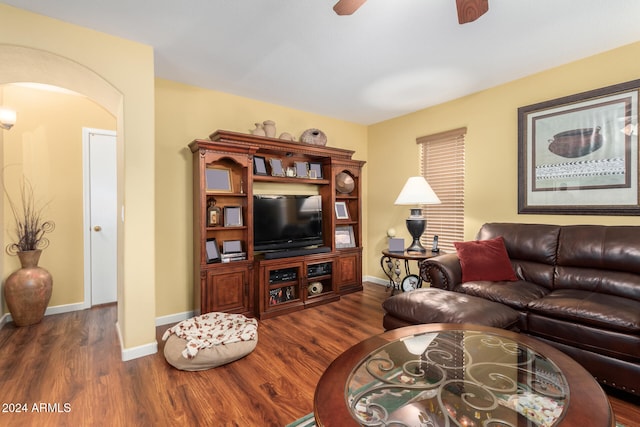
{"points": [[269, 128], [259, 130], [314, 136], [27, 291], [576, 143]]}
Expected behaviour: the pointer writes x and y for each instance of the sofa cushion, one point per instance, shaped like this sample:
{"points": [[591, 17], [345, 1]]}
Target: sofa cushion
{"points": [[514, 294], [532, 248], [432, 305], [590, 308], [485, 260], [589, 338], [532, 242]]}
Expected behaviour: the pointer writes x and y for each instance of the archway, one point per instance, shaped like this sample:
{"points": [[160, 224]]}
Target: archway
{"points": [[21, 64]]}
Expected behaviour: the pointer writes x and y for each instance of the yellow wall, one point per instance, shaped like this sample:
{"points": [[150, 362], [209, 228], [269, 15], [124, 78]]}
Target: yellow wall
{"points": [[155, 171], [45, 146], [118, 74], [491, 147], [185, 113]]}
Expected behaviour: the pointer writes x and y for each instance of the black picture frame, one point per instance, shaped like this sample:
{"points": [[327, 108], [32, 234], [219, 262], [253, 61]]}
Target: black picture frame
{"points": [[232, 216], [212, 251], [315, 170], [259, 165], [578, 155]]}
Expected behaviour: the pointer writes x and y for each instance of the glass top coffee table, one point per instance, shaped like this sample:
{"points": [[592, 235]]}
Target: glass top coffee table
{"points": [[458, 375]]}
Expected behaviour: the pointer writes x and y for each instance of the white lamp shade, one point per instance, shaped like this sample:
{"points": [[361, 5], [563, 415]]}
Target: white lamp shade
{"points": [[418, 344], [7, 118], [417, 191]]}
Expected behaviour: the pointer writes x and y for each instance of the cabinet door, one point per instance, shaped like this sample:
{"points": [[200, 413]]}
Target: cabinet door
{"points": [[228, 291], [349, 272]]}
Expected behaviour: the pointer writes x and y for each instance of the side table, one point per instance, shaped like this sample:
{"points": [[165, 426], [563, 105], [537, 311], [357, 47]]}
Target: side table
{"points": [[390, 263]]}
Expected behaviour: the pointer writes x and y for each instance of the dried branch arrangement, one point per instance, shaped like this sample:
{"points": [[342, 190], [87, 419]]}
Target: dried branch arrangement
{"points": [[30, 227]]}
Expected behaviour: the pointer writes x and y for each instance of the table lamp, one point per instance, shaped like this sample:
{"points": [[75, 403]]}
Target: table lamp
{"points": [[416, 191]]}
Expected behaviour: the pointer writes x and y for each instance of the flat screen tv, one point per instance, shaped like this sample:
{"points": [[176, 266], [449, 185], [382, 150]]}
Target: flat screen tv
{"points": [[282, 222]]}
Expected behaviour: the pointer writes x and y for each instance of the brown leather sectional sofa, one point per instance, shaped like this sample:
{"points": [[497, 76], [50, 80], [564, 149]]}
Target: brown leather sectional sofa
{"points": [[578, 289]]}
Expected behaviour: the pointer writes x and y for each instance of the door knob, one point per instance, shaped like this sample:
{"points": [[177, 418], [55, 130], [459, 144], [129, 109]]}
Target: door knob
{"points": [[97, 228]]}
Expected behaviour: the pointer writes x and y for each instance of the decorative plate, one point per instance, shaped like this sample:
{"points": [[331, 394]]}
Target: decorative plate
{"points": [[345, 183], [313, 136], [411, 283]]}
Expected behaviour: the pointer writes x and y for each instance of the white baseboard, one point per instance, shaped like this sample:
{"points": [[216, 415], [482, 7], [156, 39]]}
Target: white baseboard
{"points": [[66, 308], [376, 280], [174, 318], [135, 352]]}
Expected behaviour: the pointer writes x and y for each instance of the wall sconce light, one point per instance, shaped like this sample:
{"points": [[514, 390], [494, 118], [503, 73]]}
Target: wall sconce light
{"points": [[7, 118], [416, 191], [630, 129]]}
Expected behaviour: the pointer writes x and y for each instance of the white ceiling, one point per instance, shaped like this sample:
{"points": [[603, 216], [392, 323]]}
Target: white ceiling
{"points": [[390, 58]]}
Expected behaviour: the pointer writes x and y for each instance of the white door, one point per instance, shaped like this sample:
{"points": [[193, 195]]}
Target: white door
{"points": [[101, 212]]}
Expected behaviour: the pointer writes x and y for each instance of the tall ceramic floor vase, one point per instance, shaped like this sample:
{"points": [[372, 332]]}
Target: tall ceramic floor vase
{"points": [[27, 291]]}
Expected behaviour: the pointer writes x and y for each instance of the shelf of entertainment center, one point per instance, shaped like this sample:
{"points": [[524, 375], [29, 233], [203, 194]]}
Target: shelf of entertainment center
{"points": [[227, 228], [290, 180]]}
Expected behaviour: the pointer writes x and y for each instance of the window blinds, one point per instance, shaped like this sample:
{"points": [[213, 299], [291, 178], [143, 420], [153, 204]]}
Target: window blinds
{"points": [[442, 164]]}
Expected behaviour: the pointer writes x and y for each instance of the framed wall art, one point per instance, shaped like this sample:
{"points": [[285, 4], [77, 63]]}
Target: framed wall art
{"points": [[578, 155]]}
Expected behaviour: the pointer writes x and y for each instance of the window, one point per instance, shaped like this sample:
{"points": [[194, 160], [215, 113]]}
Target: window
{"points": [[442, 164]]}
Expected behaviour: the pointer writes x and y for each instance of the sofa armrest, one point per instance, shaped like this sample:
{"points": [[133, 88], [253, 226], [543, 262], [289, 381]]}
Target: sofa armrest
{"points": [[443, 271]]}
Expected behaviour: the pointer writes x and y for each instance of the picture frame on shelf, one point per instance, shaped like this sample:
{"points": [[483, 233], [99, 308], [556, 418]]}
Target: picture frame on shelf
{"points": [[315, 170], [578, 155], [213, 253], [276, 167], [231, 246], [345, 237], [259, 165], [302, 170], [341, 210], [232, 216], [218, 179]]}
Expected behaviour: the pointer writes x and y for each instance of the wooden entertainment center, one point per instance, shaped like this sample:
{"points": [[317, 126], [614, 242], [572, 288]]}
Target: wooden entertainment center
{"points": [[229, 275]]}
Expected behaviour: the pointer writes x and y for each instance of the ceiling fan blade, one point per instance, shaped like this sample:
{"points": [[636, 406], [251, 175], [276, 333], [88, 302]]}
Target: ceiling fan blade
{"points": [[347, 7], [470, 10]]}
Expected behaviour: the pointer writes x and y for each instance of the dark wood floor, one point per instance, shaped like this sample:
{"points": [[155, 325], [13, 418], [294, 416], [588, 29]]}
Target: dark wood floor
{"points": [[66, 371]]}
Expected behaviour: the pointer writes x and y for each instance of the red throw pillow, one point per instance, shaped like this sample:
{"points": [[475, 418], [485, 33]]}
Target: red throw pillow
{"points": [[485, 260]]}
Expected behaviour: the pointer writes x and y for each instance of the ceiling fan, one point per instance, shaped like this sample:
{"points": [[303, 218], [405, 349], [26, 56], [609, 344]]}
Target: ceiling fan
{"points": [[468, 10]]}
